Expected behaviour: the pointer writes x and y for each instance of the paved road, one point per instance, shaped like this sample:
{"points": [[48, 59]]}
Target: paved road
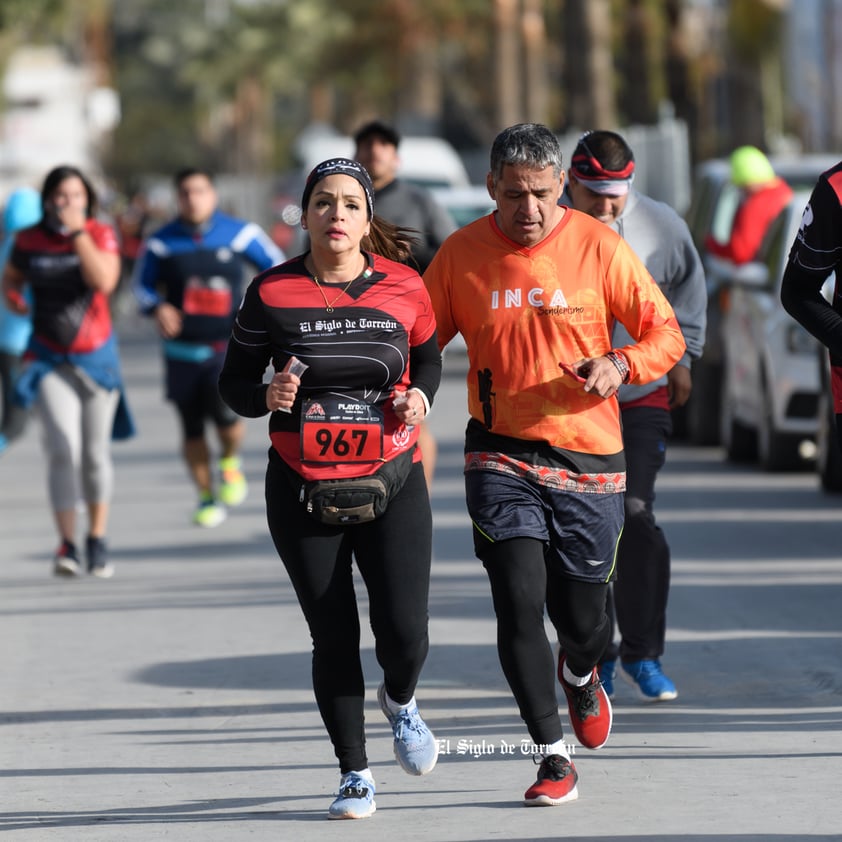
{"points": [[174, 700]]}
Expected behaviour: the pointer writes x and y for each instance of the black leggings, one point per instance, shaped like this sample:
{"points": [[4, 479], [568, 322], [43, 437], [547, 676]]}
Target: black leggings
{"points": [[393, 556], [522, 583]]}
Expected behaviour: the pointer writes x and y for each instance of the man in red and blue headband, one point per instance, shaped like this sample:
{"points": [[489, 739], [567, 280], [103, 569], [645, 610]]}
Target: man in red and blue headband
{"points": [[612, 180], [600, 184]]}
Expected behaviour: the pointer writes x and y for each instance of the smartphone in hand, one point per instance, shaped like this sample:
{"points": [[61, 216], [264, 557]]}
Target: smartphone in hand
{"points": [[568, 369]]}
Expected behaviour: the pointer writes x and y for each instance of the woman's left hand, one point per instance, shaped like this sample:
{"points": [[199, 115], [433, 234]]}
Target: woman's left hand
{"points": [[409, 407]]}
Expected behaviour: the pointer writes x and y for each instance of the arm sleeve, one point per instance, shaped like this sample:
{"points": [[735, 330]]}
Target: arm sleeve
{"points": [[246, 358], [802, 298], [816, 252], [425, 368]]}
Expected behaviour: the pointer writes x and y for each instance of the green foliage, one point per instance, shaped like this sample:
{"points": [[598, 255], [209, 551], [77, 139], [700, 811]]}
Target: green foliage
{"points": [[26, 18], [755, 28], [231, 83], [33, 22], [180, 67]]}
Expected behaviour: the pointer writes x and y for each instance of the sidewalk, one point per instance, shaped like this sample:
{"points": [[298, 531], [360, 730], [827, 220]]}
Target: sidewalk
{"points": [[174, 701]]}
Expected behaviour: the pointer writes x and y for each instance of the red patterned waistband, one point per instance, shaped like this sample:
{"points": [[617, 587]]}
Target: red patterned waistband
{"points": [[559, 478]]}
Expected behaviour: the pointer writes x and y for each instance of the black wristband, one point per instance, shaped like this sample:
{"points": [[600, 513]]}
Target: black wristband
{"points": [[74, 234]]}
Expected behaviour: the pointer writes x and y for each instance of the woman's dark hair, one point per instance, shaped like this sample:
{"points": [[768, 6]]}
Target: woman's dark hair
{"points": [[57, 175], [391, 241]]}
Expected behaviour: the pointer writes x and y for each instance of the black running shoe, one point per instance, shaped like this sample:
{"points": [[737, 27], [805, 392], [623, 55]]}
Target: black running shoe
{"points": [[66, 560], [97, 553]]}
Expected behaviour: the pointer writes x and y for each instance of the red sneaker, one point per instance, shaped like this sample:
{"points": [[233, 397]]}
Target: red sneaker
{"points": [[590, 709], [556, 783]]}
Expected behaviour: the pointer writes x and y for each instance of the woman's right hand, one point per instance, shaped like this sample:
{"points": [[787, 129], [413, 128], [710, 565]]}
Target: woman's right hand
{"points": [[282, 391], [70, 218]]}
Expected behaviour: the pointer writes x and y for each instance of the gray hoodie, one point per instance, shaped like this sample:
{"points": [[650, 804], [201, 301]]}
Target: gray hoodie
{"points": [[661, 239]]}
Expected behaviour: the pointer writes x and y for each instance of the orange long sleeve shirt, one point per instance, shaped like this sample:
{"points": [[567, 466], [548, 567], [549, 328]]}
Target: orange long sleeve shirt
{"points": [[522, 310]]}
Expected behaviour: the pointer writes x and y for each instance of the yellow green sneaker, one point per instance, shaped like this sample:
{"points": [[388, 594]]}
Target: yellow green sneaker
{"points": [[233, 487], [209, 513]]}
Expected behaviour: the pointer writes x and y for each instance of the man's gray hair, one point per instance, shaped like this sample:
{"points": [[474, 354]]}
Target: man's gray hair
{"points": [[527, 144]]}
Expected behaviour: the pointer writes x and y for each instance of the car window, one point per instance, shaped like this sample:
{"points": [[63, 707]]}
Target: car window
{"points": [[723, 217], [465, 204], [774, 244], [701, 209]]}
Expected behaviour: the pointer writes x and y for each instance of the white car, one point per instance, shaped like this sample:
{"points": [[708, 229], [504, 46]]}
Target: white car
{"points": [[428, 161], [464, 204], [771, 381]]}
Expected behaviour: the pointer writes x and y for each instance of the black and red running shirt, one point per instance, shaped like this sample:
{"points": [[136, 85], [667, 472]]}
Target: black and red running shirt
{"points": [[68, 316], [360, 350]]}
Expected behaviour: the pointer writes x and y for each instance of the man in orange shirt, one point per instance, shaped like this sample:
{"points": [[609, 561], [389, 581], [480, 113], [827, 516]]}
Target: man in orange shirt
{"points": [[535, 289]]}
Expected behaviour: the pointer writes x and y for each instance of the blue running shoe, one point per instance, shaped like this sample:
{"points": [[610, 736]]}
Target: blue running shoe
{"points": [[650, 680], [607, 674], [355, 799], [416, 749]]}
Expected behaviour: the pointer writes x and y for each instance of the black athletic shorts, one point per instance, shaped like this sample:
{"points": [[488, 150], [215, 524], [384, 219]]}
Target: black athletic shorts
{"points": [[581, 529], [193, 388]]}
